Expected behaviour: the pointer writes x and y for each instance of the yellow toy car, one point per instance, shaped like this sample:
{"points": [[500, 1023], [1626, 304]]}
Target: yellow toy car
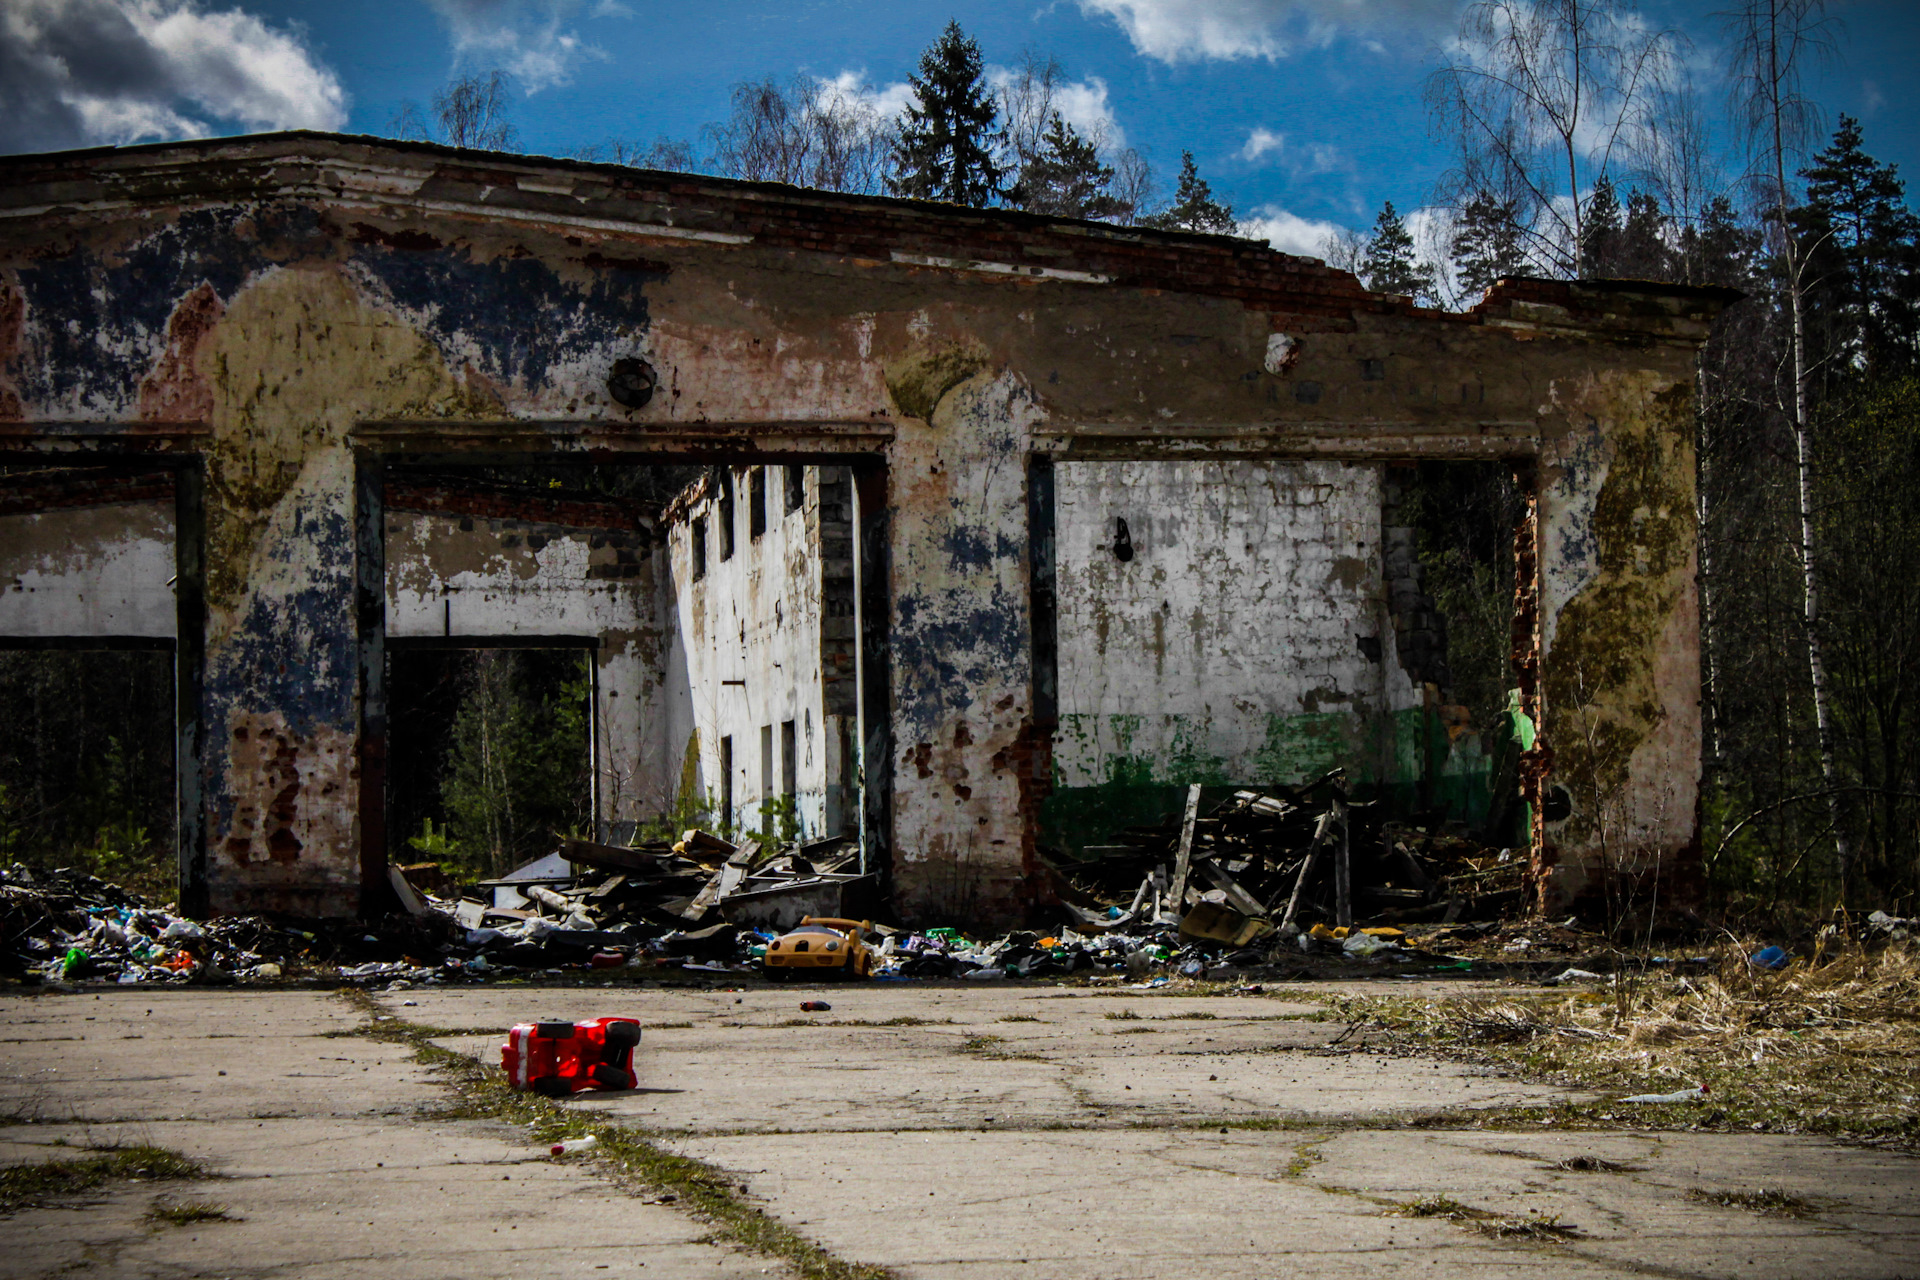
{"points": [[820, 948]]}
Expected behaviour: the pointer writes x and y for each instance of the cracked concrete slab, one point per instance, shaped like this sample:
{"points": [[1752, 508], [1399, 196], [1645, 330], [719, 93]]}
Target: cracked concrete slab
{"points": [[331, 1159], [939, 1131]]}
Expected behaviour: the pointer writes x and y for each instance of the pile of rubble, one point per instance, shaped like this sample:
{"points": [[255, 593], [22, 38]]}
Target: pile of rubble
{"points": [[1255, 881], [1290, 863]]}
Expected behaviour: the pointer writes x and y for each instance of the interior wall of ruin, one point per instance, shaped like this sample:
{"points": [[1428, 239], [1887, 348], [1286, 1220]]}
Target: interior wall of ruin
{"points": [[88, 571], [1234, 635], [746, 717]]}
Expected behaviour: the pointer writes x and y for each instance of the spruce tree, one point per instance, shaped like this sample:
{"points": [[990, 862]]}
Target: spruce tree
{"points": [[1066, 177], [1642, 252], [946, 147], [1193, 207], [1389, 265], [1485, 246], [1863, 246], [1600, 229]]}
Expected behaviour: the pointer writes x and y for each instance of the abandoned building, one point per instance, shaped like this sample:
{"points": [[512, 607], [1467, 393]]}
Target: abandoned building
{"points": [[1009, 527]]}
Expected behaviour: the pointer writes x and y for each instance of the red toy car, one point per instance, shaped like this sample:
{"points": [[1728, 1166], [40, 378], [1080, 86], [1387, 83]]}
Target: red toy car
{"points": [[555, 1059]]}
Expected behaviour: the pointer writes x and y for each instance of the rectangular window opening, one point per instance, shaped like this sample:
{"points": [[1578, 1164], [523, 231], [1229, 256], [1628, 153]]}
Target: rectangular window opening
{"points": [[757, 502], [796, 486], [789, 760], [698, 540], [726, 514], [726, 784], [766, 762]]}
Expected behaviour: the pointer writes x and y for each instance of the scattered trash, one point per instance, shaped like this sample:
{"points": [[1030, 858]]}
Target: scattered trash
{"points": [[573, 1144], [555, 1059], [814, 1006], [1693, 1094], [1577, 975], [1771, 958]]}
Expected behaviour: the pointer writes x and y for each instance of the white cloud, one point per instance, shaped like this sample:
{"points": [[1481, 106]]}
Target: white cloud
{"points": [[1260, 142], [1199, 30], [84, 72], [532, 40], [888, 100], [1289, 232], [1081, 103]]}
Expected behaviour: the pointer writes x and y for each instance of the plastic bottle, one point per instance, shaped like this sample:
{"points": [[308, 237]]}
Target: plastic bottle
{"points": [[573, 1144], [814, 1006]]}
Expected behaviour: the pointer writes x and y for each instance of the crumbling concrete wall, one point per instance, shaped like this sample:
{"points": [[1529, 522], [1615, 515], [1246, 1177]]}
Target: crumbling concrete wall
{"points": [[294, 309], [88, 571], [1235, 632], [1619, 638]]}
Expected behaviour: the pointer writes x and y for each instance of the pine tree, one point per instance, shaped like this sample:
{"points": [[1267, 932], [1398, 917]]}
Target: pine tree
{"points": [[1600, 230], [1390, 265], [1066, 177], [1486, 244], [1193, 207], [946, 147], [1863, 246]]}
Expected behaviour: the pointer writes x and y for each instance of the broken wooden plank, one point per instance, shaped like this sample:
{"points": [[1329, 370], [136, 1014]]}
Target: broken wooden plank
{"points": [[723, 882], [1242, 901], [1306, 869], [1343, 869], [610, 857], [1183, 858]]}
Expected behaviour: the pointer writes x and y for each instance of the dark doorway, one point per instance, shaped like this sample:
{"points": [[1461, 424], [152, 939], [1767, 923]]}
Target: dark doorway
{"points": [[86, 762], [489, 753]]}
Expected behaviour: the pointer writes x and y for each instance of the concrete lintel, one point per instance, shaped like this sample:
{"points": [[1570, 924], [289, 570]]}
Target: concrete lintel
{"points": [[1364, 443]]}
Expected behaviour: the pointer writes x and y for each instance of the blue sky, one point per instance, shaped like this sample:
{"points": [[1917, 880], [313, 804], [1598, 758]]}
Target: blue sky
{"points": [[1306, 113]]}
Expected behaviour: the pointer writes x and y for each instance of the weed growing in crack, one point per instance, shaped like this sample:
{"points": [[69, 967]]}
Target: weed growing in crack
{"points": [[186, 1213], [1772, 1202], [44, 1180]]}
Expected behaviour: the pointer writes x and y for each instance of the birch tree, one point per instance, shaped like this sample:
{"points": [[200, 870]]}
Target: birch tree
{"points": [[1773, 42]]}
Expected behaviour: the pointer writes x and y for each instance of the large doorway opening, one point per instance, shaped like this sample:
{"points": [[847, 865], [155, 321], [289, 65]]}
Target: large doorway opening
{"points": [[89, 607], [86, 763], [1259, 623], [667, 644], [489, 753]]}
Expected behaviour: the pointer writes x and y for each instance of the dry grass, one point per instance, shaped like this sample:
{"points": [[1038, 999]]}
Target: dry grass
{"points": [[1824, 1047], [1773, 1203], [1435, 1207]]}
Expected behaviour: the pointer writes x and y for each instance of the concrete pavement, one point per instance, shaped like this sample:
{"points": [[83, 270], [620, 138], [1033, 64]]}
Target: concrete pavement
{"points": [[965, 1130]]}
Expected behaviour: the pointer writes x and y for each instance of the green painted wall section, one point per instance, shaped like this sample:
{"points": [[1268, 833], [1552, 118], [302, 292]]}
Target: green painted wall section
{"points": [[1099, 791]]}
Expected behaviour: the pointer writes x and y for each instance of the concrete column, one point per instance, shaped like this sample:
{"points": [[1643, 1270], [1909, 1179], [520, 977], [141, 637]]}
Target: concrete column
{"points": [[1620, 644]]}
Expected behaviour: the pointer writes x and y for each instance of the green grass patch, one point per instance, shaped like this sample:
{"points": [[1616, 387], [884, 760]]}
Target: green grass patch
{"points": [[1123, 1015], [187, 1213], [639, 1164], [43, 1180], [1019, 1017]]}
